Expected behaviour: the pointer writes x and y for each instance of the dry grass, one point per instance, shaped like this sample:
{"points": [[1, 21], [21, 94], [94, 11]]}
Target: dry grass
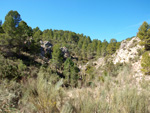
{"points": [[112, 95]]}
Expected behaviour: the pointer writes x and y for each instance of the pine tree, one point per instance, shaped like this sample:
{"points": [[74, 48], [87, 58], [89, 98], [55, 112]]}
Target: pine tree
{"points": [[37, 35], [85, 46], [99, 45], [144, 35], [24, 30], [90, 51], [104, 47], [11, 23], [111, 48], [70, 72], [57, 57], [11, 39], [95, 42], [1, 29]]}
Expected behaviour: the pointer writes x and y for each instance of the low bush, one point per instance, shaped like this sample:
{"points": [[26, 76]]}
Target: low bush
{"points": [[11, 69], [140, 51], [10, 94], [45, 96], [145, 62]]}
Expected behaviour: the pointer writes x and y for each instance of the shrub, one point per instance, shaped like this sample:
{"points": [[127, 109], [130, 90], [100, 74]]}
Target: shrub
{"points": [[71, 73], [112, 69], [140, 51], [45, 96], [10, 93], [110, 97], [11, 69], [145, 62]]}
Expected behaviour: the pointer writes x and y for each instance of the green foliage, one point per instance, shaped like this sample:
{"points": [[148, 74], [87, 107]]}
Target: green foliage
{"points": [[70, 72], [24, 29], [47, 35], [11, 23], [57, 56], [10, 69], [1, 29], [95, 43], [111, 97], [44, 95], [90, 51], [10, 94], [16, 36], [37, 35], [13, 38], [145, 62], [143, 31], [112, 69], [112, 46], [32, 46], [140, 51], [144, 35], [128, 39], [104, 48], [118, 45], [89, 75], [84, 48], [99, 45], [39, 89], [49, 74]]}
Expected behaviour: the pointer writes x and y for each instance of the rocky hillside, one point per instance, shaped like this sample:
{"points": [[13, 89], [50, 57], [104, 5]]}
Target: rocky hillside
{"points": [[128, 51]]}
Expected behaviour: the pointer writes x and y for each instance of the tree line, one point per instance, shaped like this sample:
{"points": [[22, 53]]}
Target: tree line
{"points": [[14, 32], [17, 37]]}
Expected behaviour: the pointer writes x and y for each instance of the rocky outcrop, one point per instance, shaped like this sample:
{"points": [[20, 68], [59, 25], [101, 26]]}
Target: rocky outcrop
{"points": [[128, 53], [65, 52], [128, 50], [99, 62], [45, 48]]}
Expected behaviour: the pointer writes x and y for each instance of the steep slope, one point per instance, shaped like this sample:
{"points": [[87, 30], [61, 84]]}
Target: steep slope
{"points": [[129, 52]]}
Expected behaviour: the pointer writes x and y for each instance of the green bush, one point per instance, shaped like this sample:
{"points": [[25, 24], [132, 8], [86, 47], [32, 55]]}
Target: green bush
{"points": [[112, 69], [10, 94], [145, 62], [110, 97], [70, 73], [44, 95], [140, 51], [11, 69]]}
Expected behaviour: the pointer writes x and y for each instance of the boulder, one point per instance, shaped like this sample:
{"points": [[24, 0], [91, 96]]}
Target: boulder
{"points": [[45, 48], [65, 52]]}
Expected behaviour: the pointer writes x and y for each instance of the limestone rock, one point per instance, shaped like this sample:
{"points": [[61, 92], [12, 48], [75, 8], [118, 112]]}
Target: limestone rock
{"points": [[127, 50], [45, 48], [65, 52]]}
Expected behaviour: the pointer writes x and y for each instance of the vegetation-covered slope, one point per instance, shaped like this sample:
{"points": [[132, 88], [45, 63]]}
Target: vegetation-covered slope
{"points": [[37, 76]]}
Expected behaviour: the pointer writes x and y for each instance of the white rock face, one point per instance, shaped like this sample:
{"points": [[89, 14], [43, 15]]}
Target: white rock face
{"points": [[99, 62], [127, 50]]}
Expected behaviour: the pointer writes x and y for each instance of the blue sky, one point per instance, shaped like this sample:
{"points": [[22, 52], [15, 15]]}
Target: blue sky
{"points": [[99, 19]]}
